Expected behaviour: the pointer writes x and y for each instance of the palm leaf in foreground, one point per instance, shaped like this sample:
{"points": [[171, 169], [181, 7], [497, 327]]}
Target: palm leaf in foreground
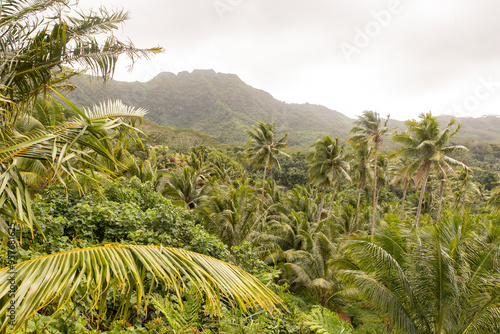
{"points": [[118, 268]]}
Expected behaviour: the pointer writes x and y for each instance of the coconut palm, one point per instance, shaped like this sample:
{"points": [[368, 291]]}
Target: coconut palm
{"points": [[443, 181], [382, 174], [302, 199], [424, 144], [315, 269], [231, 213], [104, 271], [185, 184], [402, 177], [494, 200], [369, 128], [437, 279], [263, 148], [361, 167], [464, 188], [327, 167]]}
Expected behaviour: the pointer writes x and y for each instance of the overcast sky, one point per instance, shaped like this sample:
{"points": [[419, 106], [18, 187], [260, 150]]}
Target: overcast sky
{"points": [[401, 57]]}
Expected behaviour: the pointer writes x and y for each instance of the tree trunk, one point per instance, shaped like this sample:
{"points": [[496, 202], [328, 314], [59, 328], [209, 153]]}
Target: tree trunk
{"points": [[331, 202], [440, 201], [374, 190], [361, 186], [424, 184], [264, 184], [403, 201], [463, 201], [321, 205], [359, 196]]}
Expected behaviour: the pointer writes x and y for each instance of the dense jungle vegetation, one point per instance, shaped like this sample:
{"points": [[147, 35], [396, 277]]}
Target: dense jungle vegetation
{"points": [[105, 230]]}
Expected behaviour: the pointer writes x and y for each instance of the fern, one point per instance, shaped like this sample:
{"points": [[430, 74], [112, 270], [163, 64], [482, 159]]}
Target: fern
{"points": [[181, 317], [324, 321]]}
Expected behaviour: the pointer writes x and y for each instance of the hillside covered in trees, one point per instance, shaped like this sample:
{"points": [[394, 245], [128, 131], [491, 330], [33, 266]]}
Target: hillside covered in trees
{"points": [[223, 106], [220, 105]]}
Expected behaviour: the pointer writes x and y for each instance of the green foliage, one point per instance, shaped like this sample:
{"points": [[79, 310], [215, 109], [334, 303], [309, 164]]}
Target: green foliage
{"points": [[183, 318], [293, 172], [41, 52], [439, 278], [324, 321], [425, 147], [216, 104]]}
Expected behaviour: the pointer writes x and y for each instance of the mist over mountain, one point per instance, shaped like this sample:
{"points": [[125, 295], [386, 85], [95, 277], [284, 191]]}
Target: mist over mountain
{"points": [[223, 107]]}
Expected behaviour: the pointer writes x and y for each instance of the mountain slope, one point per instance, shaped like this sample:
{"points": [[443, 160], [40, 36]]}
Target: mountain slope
{"points": [[220, 105], [223, 106]]}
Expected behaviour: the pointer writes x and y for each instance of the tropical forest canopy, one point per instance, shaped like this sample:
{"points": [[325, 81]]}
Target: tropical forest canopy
{"points": [[113, 224]]}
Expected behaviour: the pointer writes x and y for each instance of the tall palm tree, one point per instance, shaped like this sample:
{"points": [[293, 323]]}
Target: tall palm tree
{"points": [[442, 179], [402, 177], [361, 167], [263, 148], [448, 283], [369, 128], [424, 144], [327, 166], [464, 188]]}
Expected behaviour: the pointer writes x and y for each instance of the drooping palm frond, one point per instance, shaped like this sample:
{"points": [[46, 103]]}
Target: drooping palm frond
{"points": [[114, 109], [14, 200], [55, 278]]}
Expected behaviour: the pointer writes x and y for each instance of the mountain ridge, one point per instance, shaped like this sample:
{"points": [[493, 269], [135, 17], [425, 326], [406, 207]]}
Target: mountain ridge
{"points": [[222, 106]]}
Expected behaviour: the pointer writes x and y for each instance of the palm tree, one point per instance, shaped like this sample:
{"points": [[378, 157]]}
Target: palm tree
{"points": [[263, 149], [442, 179], [327, 166], [315, 268], [361, 166], [101, 272], [231, 213], [464, 187], [302, 199], [402, 177], [447, 283], [185, 184], [424, 145], [369, 128], [494, 200]]}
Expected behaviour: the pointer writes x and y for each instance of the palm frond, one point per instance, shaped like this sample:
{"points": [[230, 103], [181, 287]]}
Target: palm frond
{"points": [[55, 279]]}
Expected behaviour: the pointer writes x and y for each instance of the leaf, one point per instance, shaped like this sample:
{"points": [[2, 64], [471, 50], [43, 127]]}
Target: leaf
{"points": [[55, 278]]}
